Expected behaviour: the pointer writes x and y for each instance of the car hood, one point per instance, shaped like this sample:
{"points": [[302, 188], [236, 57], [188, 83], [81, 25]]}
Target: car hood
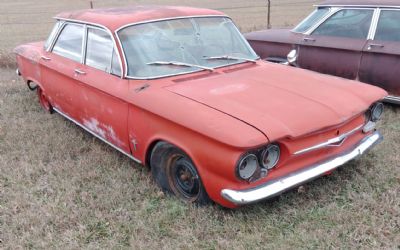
{"points": [[275, 35], [280, 101]]}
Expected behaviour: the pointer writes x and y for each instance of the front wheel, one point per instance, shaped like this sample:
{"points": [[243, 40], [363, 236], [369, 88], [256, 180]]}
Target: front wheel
{"points": [[175, 173]]}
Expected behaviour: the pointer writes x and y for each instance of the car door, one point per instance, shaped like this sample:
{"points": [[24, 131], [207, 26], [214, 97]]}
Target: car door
{"points": [[381, 56], [58, 69], [336, 45], [103, 92]]}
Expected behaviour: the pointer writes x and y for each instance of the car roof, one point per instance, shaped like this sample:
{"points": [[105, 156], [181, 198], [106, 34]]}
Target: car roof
{"points": [[115, 18], [366, 3]]}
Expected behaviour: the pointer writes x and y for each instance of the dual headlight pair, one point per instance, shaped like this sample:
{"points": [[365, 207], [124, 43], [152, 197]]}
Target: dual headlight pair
{"points": [[254, 166]]}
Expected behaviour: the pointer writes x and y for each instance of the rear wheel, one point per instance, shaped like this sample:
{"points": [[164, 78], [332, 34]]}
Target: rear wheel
{"points": [[44, 102], [175, 173]]}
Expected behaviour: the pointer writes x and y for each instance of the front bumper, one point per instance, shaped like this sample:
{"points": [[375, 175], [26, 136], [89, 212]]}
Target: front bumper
{"points": [[280, 185]]}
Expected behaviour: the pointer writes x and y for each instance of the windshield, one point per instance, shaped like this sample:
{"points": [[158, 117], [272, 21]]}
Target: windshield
{"points": [[179, 46], [311, 20]]}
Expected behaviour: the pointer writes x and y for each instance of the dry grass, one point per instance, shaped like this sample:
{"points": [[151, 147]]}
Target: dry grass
{"points": [[61, 188]]}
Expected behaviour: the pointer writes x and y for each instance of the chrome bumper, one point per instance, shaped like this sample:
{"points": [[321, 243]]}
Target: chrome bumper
{"points": [[280, 185], [392, 99]]}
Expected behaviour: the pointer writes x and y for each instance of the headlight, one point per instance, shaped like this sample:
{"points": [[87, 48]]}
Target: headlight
{"points": [[247, 166], [270, 156], [376, 112]]}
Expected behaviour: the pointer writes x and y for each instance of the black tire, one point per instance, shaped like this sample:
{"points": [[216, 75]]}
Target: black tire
{"points": [[175, 173]]}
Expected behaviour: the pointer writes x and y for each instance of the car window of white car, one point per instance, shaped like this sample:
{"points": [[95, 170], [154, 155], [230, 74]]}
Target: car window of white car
{"points": [[69, 42], [349, 23], [100, 51], [388, 26]]}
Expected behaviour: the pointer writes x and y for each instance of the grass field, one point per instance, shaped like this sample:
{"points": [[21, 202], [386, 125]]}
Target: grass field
{"points": [[62, 188]]}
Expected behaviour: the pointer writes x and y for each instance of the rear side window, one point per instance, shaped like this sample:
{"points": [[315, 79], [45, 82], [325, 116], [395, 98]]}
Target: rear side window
{"points": [[388, 26], [350, 23], [69, 42]]}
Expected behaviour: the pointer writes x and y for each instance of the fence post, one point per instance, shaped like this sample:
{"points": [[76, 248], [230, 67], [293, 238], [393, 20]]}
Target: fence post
{"points": [[269, 14], [91, 4]]}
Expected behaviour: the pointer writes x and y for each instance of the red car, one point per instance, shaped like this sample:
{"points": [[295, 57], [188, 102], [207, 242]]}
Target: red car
{"points": [[180, 90], [354, 39]]}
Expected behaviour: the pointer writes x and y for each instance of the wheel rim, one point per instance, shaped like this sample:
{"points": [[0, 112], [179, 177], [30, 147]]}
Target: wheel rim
{"points": [[43, 100], [183, 178]]}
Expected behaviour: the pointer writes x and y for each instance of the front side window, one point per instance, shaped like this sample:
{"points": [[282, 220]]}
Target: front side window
{"points": [[312, 20], [69, 42], [388, 26], [350, 23], [180, 46], [99, 49]]}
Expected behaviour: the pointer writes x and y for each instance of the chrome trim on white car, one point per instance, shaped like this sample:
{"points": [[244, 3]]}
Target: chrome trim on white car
{"points": [[97, 136], [282, 184]]}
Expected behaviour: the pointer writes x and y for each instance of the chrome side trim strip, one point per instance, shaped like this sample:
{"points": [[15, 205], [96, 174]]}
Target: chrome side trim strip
{"points": [[280, 185], [392, 99], [97, 136], [334, 142]]}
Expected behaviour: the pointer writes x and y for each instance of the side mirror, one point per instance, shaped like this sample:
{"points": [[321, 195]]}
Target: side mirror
{"points": [[292, 57]]}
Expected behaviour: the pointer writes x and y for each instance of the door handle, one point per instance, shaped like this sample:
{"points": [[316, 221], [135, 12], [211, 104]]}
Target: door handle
{"points": [[45, 58], [80, 72], [308, 39], [375, 45]]}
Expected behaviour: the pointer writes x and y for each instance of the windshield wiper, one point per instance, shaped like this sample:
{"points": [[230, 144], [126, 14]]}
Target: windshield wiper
{"points": [[181, 64], [228, 57]]}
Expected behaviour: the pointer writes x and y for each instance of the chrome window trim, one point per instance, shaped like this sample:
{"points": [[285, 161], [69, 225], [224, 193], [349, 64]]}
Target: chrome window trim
{"points": [[87, 37], [332, 11], [361, 6], [374, 25], [95, 135], [84, 46], [305, 19], [309, 32], [55, 37], [168, 19], [378, 18], [59, 33], [100, 26]]}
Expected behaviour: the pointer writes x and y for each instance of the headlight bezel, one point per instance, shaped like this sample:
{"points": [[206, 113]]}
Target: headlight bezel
{"points": [[268, 150], [261, 171], [376, 111]]}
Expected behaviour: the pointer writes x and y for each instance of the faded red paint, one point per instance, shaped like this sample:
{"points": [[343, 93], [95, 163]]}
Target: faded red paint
{"points": [[214, 117]]}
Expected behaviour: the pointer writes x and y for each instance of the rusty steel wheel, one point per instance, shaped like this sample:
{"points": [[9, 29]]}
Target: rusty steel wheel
{"points": [[175, 173], [43, 101]]}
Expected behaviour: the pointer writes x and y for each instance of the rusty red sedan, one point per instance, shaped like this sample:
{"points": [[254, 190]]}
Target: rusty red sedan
{"points": [[354, 39], [180, 90]]}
